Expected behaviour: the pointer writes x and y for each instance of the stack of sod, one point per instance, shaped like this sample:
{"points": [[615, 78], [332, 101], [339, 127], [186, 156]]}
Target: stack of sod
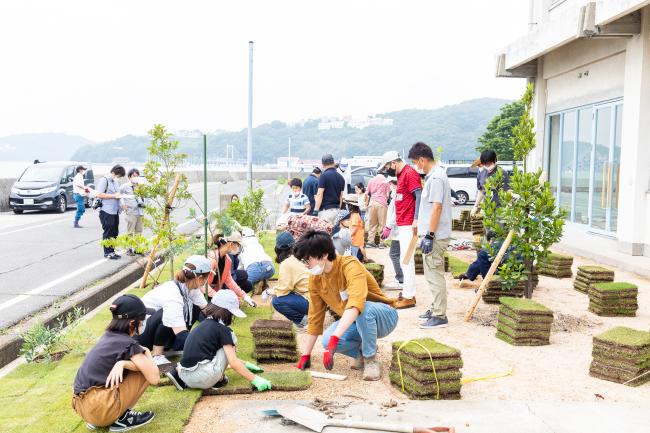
{"points": [[420, 381], [477, 225], [377, 271], [588, 275], [556, 265], [621, 355], [419, 262], [613, 299], [495, 290], [274, 340], [524, 322]]}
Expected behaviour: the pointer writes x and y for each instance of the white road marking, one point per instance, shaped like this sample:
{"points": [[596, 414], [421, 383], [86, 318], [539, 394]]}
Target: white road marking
{"points": [[34, 227], [51, 284]]}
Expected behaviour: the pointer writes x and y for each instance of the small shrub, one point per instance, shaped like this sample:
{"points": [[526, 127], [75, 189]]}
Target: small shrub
{"points": [[39, 342]]}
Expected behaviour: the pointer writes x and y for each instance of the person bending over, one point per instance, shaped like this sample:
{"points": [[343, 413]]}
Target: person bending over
{"points": [[210, 348], [221, 266], [344, 285], [116, 372]]}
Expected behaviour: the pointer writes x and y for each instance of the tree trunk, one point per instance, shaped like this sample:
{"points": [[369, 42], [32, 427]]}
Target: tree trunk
{"points": [[528, 292]]}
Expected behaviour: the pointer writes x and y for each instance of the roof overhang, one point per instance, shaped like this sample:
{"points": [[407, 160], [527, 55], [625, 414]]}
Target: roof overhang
{"points": [[604, 18]]}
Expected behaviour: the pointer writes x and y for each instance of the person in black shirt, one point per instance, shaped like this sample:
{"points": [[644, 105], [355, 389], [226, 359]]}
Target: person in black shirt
{"points": [[330, 191], [116, 372], [310, 187], [210, 347]]}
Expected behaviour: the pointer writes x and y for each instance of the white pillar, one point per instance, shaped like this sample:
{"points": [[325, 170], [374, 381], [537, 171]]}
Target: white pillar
{"points": [[535, 158], [633, 215]]}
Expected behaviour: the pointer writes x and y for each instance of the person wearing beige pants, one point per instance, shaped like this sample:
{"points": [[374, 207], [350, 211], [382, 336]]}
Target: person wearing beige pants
{"points": [[376, 220]]}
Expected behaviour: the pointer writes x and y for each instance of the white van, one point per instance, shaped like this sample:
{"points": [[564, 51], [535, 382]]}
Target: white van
{"points": [[462, 179]]}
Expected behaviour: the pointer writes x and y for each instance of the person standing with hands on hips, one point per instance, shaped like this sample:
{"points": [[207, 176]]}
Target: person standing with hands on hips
{"points": [[343, 284], [407, 203], [79, 192], [108, 189], [434, 231]]}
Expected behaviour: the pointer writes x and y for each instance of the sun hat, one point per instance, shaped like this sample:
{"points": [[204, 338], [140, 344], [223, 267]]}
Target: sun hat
{"points": [[226, 298]]}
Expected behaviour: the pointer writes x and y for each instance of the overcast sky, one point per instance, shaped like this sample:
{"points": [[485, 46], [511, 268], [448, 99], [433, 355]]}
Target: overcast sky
{"points": [[102, 69]]}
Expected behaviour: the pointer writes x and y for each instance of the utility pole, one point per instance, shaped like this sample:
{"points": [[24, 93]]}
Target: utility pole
{"points": [[249, 146], [289, 162], [205, 195]]}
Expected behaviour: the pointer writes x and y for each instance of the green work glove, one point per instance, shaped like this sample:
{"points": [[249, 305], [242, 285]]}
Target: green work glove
{"points": [[253, 368], [261, 384]]}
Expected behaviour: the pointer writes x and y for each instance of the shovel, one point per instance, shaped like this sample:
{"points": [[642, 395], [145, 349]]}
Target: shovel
{"points": [[317, 421]]}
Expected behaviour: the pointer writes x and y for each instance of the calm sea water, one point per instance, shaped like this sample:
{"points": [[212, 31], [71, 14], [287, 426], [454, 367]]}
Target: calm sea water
{"points": [[13, 169]]}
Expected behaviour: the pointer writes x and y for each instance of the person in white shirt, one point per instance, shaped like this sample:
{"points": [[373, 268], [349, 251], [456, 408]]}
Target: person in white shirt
{"points": [[174, 307], [254, 259], [79, 193]]}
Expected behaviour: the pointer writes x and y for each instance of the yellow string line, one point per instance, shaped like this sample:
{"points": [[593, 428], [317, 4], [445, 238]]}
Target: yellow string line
{"points": [[488, 377], [399, 363]]}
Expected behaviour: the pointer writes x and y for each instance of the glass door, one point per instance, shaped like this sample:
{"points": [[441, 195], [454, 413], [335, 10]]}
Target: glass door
{"points": [[605, 167]]}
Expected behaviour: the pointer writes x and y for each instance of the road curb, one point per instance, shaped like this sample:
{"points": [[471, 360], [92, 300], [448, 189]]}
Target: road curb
{"points": [[87, 298]]}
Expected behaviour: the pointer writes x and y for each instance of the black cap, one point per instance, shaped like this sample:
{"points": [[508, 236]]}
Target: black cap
{"points": [[327, 159], [128, 307]]}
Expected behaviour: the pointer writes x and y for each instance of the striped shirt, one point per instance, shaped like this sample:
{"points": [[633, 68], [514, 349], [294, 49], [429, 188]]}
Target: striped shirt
{"points": [[297, 203]]}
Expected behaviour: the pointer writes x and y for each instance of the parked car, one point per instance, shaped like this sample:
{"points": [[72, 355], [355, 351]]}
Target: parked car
{"points": [[462, 179], [47, 186], [361, 175]]}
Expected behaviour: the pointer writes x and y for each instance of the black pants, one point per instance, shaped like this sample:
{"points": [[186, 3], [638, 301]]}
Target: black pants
{"points": [[241, 278], [110, 224], [157, 334]]}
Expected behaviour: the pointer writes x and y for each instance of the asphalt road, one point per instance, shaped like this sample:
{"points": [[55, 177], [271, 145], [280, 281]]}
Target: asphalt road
{"points": [[43, 258]]}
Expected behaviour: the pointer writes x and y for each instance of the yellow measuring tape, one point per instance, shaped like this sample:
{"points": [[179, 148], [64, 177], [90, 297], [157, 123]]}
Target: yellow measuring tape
{"points": [[399, 363], [465, 380]]}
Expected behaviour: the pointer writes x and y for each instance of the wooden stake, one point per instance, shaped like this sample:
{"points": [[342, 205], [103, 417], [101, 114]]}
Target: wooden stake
{"points": [[411, 249], [152, 254], [488, 277]]}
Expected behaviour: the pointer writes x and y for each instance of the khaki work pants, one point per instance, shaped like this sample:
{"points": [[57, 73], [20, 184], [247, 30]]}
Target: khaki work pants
{"points": [[376, 215], [434, 274], [102, 406]]}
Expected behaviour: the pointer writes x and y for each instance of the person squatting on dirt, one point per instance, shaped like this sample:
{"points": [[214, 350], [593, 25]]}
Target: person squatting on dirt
{"points": [[175, 306], [290, 296], [116, 372], [210, 348], [344, 285]]}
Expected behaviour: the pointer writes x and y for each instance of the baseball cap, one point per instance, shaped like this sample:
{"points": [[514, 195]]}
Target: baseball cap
{"points": [[200, 263], [327, 159], [284, 240], [226, 298], [235, 236], [128, 307], [247, 232], [342, 216], [387, 157]]}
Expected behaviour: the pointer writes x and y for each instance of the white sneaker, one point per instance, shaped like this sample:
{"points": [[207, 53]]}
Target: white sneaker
{"points": [[161, 360]]}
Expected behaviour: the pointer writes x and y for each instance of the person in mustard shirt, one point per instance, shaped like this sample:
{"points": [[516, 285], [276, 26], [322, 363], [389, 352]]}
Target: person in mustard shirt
{"points": [[344, 285]]}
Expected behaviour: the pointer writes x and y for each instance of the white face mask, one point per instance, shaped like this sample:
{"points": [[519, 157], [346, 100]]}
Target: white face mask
{"points": [[316, 270], [141, 327], [489, 167]]}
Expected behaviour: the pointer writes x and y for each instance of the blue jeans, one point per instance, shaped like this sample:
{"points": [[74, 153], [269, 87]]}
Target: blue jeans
{"points": [[81, 206], [377, 321], [292, 306], [259, 271], [354, 251]]}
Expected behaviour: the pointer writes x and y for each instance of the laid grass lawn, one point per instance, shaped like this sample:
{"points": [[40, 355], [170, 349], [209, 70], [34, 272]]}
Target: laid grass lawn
{"points": [[37, 397], [457, 266]]}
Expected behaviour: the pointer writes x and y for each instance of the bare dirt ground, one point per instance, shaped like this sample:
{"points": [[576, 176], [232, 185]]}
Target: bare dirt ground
{"points": [[558, 372]]}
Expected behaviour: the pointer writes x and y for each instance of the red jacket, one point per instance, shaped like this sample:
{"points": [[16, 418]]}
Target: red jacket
{"points": [[226, 277]]}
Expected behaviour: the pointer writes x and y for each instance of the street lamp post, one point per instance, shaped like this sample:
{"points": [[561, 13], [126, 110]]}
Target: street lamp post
{"points": [[249, 147]]}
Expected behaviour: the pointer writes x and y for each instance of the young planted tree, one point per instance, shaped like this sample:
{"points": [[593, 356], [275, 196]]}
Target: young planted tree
{"points": [[163, 191], [527, 209], [249, 211]]}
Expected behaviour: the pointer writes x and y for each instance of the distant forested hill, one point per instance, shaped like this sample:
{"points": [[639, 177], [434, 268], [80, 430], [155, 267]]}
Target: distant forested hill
{"points": [[455, 128]]}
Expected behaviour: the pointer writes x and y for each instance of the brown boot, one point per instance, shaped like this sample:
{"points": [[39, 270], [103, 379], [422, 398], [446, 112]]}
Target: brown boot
{"points": [[402, 302], [358, 363], [371, 369]]}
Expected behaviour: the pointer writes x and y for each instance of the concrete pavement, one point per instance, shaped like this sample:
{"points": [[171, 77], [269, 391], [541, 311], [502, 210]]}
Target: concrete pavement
{"points": [[43, 259]]}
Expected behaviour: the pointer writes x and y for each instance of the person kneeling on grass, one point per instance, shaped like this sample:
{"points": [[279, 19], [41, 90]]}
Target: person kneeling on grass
{"points": [[343, 284], [210, 347], [176, 305], [290, 295], [103, 392]]}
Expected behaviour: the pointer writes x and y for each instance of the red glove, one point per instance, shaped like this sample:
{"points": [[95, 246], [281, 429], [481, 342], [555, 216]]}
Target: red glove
{"points": [[328, 355], [305, 362], [385, 233]]}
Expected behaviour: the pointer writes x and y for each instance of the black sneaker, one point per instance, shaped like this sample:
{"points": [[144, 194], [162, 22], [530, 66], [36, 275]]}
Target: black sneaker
{"points": [[435, 322], [130, 420], [176, 379], [371, 245], [425, 316], [117, 256], [223, 382]]}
